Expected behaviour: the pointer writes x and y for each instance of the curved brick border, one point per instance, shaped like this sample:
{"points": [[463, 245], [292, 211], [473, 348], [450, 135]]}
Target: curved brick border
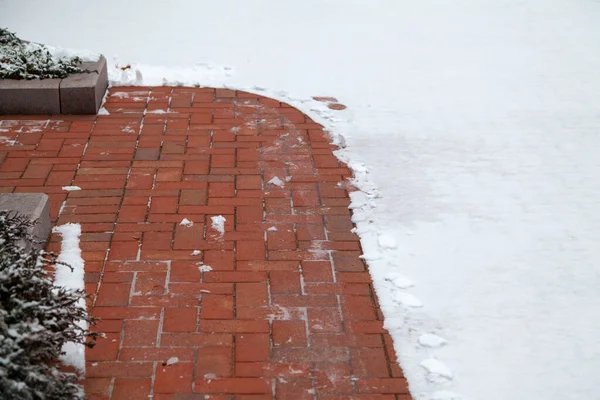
{"points": [[287, 311]]}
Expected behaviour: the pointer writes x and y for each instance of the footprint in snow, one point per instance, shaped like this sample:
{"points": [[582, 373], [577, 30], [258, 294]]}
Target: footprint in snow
{"points": [[436, 370], [399, 281], [407, 299], [386, 242], [431, 340]]}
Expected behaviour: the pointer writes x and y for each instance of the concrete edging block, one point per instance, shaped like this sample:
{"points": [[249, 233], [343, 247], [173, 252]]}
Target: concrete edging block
{"points": [[76, 94], [36, 206], [82, 93], [36, 96]]}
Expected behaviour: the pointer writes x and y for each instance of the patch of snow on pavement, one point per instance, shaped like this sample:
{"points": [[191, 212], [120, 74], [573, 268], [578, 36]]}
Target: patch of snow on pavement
{"points": [[277, 182], [71, 188], [104, 111], [120, 95], [8, 141], [70, 253], [171, 361], [186, 222], [218, 223], [205, 268]]}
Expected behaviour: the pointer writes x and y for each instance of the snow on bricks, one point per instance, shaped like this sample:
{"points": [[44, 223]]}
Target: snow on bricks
{"points": [[214, 234]]}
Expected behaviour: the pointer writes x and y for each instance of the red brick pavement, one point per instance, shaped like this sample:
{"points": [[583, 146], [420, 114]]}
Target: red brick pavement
{"points": [[287, 310]]}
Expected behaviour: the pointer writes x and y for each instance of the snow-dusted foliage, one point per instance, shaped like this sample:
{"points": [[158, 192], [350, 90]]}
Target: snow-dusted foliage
{"points": [[36, 319], [22, 60]]}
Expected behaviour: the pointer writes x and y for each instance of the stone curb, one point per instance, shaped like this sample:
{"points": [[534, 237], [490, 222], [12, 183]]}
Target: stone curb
{"points": [[76, 94], [36, 206]]}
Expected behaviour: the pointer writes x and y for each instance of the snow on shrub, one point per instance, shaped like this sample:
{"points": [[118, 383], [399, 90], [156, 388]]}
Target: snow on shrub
{"points": [[36, 319], [23, 60]]}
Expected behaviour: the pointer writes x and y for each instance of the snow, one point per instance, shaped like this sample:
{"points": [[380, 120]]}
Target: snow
{"points": [[186, 222], [471, 127], [407, 299], [102, 110], [436, 370], [218, 223], [71, 188], [431, 340], [172, 361], [8, 141], [387, 242], [61, 52], [205, 268], [399, 281], [196, 252], [70, 253], [120, 95], [277, 182]]}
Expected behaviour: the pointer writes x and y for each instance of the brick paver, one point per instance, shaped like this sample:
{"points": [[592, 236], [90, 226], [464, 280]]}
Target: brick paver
{"points": [[286, 309]]}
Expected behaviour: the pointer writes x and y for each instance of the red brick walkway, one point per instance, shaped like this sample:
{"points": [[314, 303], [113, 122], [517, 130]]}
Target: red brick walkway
{"points": [[286, 309]]}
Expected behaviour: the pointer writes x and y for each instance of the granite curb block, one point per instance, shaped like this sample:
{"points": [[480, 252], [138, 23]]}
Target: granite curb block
{"points": [[76, 94], [36, 206]]}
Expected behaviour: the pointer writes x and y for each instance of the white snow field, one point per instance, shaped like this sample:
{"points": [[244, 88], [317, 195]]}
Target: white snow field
{"points": [[474, 129]]}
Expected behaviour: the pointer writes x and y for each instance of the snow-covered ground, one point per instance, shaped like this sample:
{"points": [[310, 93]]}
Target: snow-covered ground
{"points": [[473, 124]]}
